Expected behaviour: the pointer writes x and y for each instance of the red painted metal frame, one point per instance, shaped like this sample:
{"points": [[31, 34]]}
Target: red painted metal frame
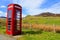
{"points": [[13, 30]]}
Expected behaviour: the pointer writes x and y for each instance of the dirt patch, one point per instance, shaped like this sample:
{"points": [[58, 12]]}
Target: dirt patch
{"points": [[5, 37]]}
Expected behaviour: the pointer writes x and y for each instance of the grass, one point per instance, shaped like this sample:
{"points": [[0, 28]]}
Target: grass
{"points": [[2, 30], [42, 20], [29, 34], [2, 25], [38, 35]]}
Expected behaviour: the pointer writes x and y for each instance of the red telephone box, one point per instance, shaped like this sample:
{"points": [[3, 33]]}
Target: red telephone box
{"points": [[14, 19]]}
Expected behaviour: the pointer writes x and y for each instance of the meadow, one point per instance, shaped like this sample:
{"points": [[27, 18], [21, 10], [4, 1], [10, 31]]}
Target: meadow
{"points": [[36, 28], [42, 20], [38, 35]]}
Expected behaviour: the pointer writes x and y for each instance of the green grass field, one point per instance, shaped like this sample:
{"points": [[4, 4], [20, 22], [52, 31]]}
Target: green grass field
{"points": [[29, 34], [41, 35], [42, 20], [38, 35], [2, 29]]}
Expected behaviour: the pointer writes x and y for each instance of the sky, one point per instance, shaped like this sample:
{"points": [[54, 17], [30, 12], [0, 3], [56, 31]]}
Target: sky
{"points": [[31, 7]]}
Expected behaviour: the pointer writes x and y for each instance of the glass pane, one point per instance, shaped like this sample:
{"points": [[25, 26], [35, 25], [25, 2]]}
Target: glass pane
{"points": [[8, 27], [18, 19], [9, 13], [9, 19]]}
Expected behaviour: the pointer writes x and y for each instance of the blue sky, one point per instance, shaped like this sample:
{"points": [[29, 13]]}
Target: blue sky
{"points": [[32, 7]]}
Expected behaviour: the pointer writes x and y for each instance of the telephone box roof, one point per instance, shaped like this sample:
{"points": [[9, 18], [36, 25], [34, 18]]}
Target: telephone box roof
{"points": [[14, 5]]}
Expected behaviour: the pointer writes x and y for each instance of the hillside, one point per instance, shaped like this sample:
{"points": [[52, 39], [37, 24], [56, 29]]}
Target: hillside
{"points": [[42, 20], [46, 23], [47, 14], [2, 17]]}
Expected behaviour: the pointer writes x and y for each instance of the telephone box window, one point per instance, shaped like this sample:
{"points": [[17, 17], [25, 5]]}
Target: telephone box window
{"points": [[17, 14], [9, 13], [18, 19], [8, 27], [9, 19]]}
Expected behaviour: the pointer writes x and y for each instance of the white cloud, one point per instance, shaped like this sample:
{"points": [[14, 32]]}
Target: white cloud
{"points": [[32, 6], [5, 14], [2, 6], [2, 13], [23, 15], [54, 8]]}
